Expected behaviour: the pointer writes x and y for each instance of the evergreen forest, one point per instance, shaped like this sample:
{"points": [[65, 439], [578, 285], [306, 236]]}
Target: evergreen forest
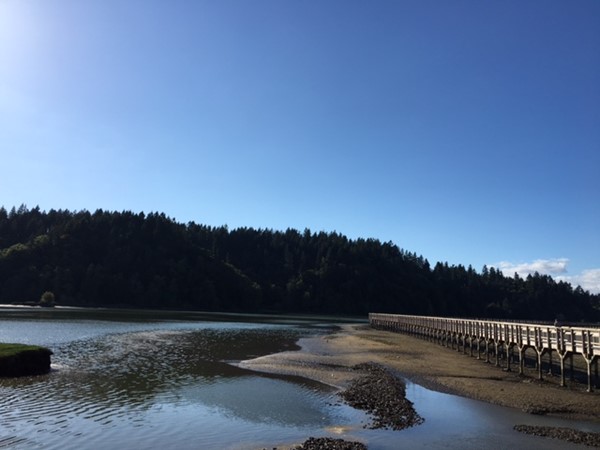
{"points": [[124, 259]]}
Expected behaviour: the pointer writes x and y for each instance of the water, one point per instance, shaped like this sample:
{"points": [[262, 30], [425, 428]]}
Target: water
{"points": [[453, 422], [124, 379], [131, 379]]}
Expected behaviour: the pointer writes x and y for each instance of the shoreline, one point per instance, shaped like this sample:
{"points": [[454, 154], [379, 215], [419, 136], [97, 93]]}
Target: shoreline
{"points": [[329, 359]]}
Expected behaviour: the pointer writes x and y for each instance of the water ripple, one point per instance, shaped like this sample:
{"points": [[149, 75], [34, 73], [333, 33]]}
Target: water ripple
{"points": [[164, 382]]}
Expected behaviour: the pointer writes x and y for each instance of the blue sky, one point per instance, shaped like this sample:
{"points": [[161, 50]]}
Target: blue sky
{"points": [[465, 131]]}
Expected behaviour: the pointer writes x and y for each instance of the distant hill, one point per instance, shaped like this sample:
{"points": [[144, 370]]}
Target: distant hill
{"points": [[124, 259]]}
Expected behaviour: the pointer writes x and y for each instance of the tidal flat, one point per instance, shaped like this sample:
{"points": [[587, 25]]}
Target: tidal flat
{"points": [[131, 379]]}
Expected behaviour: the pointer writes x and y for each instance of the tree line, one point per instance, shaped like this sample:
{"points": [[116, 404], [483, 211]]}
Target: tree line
{"points": [[124, 259]]}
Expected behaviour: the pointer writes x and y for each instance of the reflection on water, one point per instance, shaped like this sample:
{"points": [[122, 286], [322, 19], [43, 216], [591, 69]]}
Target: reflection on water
{"points": [[163, 380], [453, 422], [260, 400], [156, 383]]}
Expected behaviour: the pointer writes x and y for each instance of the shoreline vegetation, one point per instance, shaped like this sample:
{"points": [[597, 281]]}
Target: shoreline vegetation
{"points": [[150, 261], [333, 359], [18, 360]]}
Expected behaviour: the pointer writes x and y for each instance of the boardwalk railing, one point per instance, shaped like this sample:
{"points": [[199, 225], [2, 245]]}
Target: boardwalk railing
{"points": [[502, 338]]}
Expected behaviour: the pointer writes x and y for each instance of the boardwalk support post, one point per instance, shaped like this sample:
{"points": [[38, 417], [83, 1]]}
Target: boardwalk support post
{"points": [[566, 341]]}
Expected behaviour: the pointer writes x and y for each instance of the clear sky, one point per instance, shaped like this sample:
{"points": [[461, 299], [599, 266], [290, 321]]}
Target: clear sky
{"points": [[464, 131]]}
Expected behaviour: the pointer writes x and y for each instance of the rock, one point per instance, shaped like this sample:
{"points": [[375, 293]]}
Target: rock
{"points": [[25, 362]]}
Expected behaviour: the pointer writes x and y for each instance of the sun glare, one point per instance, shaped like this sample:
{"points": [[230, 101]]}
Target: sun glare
{"points": [[18, 29]]}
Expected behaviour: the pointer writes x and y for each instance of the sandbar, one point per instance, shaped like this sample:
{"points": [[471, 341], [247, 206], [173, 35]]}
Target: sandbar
{"points": [[329, 359]]}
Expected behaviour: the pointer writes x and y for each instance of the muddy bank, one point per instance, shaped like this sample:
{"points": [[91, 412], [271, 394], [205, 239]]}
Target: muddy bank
{"points": [[330, 359]]}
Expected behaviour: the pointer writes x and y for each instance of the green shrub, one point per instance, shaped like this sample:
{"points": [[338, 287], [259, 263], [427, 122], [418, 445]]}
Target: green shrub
{"points": [[47, 299]]}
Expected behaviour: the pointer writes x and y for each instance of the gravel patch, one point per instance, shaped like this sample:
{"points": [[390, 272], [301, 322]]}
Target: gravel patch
{"points": [[382, 395], [324, 443], [330, 444], [565, 434]]}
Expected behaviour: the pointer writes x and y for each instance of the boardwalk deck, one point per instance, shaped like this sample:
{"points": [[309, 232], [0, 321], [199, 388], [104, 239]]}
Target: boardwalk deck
{"points": [[503, 338]]}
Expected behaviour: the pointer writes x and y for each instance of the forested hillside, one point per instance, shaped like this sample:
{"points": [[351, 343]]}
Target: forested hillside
{"points": [[150, 261]]}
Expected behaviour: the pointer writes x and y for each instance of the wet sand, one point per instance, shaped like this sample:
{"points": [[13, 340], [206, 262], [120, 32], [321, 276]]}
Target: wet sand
{"points": [[329, 359]]}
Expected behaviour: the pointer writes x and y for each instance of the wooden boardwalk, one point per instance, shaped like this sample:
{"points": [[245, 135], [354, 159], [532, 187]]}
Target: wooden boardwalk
{"points": [[503, 340]]}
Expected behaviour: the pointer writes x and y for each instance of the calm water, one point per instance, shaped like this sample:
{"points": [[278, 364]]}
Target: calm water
{"points": [[151, 380]]}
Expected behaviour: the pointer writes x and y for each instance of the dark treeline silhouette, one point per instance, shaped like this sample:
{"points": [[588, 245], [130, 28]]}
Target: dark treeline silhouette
{"points": [[150, 261]]}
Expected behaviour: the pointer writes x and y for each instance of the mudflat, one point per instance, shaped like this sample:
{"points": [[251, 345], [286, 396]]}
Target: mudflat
{"points": [[329, 359]]}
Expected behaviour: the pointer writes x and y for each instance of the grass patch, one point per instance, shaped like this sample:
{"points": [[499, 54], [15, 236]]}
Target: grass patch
{"points": [[8, 350], [19, 360]]}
